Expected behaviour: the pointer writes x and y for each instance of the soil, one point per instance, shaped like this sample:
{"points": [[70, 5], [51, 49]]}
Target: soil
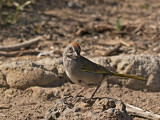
{"points": [[93, 24]]}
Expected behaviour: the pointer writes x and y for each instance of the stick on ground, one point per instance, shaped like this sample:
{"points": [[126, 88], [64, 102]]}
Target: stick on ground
{"points": [[138, 112], [21, 45], [18, 53]]}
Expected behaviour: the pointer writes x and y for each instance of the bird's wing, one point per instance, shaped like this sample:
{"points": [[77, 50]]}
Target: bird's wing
{"points": [[89, 66]]}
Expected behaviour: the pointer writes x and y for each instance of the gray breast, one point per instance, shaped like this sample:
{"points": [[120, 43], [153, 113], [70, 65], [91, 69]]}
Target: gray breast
{"points": [[82, 78]]}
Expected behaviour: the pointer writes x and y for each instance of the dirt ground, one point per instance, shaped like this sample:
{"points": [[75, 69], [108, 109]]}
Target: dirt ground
{"points": [[94, 24]]}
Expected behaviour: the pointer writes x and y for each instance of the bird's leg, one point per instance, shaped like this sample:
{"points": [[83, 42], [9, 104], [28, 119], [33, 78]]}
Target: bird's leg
{"points": [[108, 88], [80, 92], [99, 84]]}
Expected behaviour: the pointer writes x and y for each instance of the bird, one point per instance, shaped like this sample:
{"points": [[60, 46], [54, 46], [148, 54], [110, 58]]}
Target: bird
{"points": [[84, 72]]}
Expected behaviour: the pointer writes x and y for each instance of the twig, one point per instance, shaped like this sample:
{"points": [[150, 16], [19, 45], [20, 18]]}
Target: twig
{"points": [[21, 45], [18, 53], [124, 43], [45, 53], [138, 112], [138, 28], [50, 53]]}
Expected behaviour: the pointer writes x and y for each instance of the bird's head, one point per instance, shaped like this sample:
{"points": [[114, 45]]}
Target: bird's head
{"points": [[72, 51]]}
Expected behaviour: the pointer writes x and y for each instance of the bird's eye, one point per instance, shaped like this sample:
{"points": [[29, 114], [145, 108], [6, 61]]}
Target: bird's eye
{"points": [[70, 49]]}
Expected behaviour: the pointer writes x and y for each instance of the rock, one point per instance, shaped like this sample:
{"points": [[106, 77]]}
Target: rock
{"points": [[142, 65], [70, 108], [45, 94], [25, 74], [147, 66], [10, 93], [45, 72], [51, 64]]}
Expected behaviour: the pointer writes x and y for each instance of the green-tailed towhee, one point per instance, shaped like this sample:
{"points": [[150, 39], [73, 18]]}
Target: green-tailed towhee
{"points": [[84, 72]]}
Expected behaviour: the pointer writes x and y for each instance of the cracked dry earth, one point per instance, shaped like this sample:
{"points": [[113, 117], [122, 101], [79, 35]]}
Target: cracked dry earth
{"points": [[92, 23], [34, 102]]}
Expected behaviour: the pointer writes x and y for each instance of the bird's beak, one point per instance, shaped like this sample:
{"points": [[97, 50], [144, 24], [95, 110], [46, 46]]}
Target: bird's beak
{"points": [[73, 55], [76, 54]]}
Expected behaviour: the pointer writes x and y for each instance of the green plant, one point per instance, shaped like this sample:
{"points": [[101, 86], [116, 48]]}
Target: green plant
{"points": [[145, 6], [118, 25], [19, 6], [1, 3]]}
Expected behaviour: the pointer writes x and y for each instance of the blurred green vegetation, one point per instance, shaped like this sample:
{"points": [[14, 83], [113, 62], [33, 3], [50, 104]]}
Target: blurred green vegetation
{"points": [[118, 25], [145, 6], [10, 10]]}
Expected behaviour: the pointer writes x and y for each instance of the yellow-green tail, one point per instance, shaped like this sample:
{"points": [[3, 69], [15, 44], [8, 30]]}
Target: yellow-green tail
{"points": [[129, 76]]}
